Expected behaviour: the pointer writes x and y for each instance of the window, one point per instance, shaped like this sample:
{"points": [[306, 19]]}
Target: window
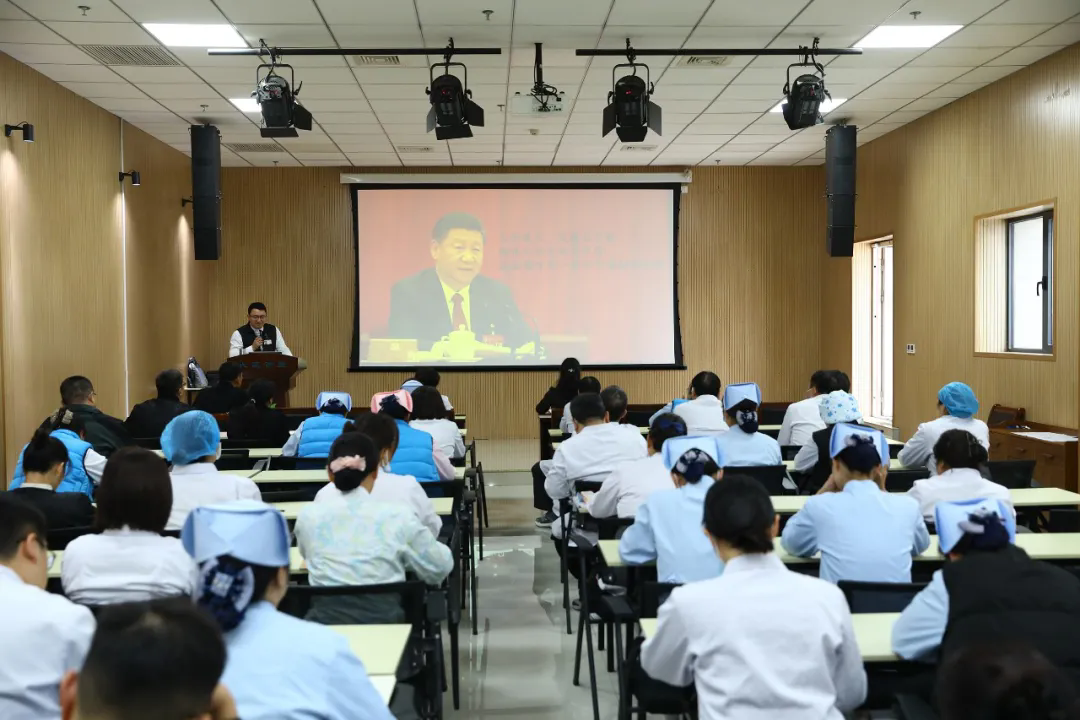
{"points": [[872, 329], [1030, 283]]}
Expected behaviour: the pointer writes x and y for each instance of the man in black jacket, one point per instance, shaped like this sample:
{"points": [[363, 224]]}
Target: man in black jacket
{"points": [[106, 433], [149, 418], [227, 394]]}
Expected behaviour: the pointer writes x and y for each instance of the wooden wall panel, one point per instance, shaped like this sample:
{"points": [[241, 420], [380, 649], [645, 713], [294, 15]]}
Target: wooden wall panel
{"points": [[749, 305], [1011, 144]]}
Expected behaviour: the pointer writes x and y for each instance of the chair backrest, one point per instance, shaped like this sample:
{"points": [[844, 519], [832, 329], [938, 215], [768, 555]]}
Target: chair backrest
{"points": [[772, 413], [894, 450], [233, 462], [306, 494], [770, 476], [788, 452], [1013, 474], [653, 595], [412, 595], [608, 528], [1058, 520], [878, 597], [283, 462], [149, 443], [898, 481], [58, 539]]}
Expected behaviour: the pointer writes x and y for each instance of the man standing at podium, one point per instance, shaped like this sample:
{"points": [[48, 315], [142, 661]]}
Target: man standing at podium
{"points": [[258, 335]]}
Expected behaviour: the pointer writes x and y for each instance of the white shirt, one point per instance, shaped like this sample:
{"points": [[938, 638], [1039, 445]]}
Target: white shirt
{"points": [[628, 486], [919, 450], [704, 415], [566, 422], [236, 345], [956, 486], [752, 653], [42, 637], [400, 489], [446, 434], [201, 484], [126, 566], [591, 455], [801, 420], [94, 464]]}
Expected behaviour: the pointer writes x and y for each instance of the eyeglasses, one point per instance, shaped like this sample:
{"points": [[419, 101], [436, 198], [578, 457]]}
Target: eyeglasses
{"points": [[257, 317], [50, 559]]}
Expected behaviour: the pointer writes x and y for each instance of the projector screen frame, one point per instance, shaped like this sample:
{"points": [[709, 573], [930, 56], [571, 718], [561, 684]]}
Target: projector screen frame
{"points": [[489, 181]]}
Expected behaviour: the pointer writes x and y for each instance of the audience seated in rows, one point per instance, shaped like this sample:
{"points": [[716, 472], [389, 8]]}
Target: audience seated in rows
{"points": [[759, 642], [428, 377], [401, 489], [149, 418], [129, 561], [354, 539], [277, 666], [565, 388], [631, 482], [803, 418], [429, 415], [862, 532], [84, 464], [838, 407], [104, 432], [960, 459], [957, 406], [587, 384], [315, 434], [744, 445], [192, 443], [43, 636], [259, 419], [227, 394], [417, 454], [44, 464], [666, 529]]}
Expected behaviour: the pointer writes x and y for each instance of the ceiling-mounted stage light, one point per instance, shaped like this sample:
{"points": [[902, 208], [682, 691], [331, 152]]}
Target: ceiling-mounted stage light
{"points": [[453, 114], [631, 113], [281, 110], [25, 128], [136, 179], [804, 97]]}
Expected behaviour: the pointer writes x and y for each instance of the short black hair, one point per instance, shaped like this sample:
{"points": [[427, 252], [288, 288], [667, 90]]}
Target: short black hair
{"points": [[456, 221], [262, 392], [861, 457], [160, 659], [135, 491], [664, 427], [380, 427], [738, 511], [168, 383], [18, 519], [256, 306], [428, 376], [427, 404], [229, 371], [615, 402], [76, 390], [587, 406], [843, 382], [960, 449], [43, 452], [589, 384], [346, 445], [706, 383], [824, 381]]}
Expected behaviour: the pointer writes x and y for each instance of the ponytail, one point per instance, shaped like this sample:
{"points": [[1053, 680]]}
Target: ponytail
{"points": [[353, 458], [227, 587], [739, 512], [745, 416], [960, 449], [43, 452]]}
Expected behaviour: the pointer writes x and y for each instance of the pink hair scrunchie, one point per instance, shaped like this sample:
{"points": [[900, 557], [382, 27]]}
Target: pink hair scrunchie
{"points": [[349, 462]]}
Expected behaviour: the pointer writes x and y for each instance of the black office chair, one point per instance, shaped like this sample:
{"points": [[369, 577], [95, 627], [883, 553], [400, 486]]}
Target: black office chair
{"points": [[788, 452], [59, 538], [1013, 474], [898, 481], [770, 476], [878, 597]]}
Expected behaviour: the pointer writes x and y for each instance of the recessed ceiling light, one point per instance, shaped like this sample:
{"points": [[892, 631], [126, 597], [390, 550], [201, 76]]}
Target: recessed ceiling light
{"points": [[248, 104], [826, 107], [204, 36], [907, 36]]}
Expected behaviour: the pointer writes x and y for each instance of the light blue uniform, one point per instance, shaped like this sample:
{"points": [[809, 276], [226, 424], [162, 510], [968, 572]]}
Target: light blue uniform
{"points": [[918, 632], [742, 449], [862, 533]]}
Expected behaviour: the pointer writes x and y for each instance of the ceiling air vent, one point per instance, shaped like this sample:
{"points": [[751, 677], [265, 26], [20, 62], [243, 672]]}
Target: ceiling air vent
{"points": [[703, 61], [144, 55], [638, 148], [375, 60], [254, 147], [410, 149]]}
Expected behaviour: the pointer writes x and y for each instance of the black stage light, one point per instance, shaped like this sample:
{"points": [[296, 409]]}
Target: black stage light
{"points": [[803, 98], [630, 111], [281, 110], [453, 114], [25, 128], [136, 179]]}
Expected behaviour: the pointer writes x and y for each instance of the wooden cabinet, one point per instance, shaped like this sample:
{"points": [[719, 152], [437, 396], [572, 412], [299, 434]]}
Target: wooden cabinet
{"points": [[1055, 462]]}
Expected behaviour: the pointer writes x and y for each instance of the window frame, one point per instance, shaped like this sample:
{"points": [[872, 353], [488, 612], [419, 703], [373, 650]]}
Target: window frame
{"points": [[876, 375], [1047, 282]]}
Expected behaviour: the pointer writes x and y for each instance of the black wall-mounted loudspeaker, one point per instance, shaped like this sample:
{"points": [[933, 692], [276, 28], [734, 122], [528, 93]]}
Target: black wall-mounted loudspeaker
{"points": [[840, 149], [206, 190]]}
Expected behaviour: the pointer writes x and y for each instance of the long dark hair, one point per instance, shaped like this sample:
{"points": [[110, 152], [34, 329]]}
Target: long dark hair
{"points": [[569, 375]]}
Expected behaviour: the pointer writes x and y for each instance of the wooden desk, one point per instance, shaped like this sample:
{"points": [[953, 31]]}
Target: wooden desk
{"points": [[443, 506], [242, 473], [260, 453], [318, 475], [1055, 462], [1029, 498], [384, 685], [379, 647], [894, 464]]}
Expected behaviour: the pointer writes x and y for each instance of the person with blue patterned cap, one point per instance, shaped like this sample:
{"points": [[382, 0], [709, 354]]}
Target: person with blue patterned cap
{"points": [[862, 532], [315, 435], [957, 406], [667, 527], [743, 445], [192, 443], [278, 666]]}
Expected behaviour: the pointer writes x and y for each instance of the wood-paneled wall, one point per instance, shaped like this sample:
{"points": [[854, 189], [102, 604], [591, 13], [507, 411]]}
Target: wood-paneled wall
{"points": [[750, 239], [1011, 144]]}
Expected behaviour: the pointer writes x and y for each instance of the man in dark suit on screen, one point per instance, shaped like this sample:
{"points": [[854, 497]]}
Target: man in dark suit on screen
{"points": [[453, 295]]}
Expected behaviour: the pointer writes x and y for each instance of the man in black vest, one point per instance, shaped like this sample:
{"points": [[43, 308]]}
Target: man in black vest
{"points": [[258, 335]]}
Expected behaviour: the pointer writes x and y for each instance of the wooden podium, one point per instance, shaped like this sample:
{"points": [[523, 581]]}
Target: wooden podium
{"points": [[281, 369]]}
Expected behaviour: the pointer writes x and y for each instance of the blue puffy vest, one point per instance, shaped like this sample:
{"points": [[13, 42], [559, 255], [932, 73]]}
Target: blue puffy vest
{"points": [[319, 433], [414, 454], [75, 477]]}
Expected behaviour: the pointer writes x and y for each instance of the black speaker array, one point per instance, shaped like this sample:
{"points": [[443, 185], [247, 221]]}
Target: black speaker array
{"points": [[206, 190], [840, 190]]}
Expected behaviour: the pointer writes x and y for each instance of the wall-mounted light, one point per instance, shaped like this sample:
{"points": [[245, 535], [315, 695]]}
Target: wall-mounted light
{"points": [[134, 175], [25, 128], [184, 202]]}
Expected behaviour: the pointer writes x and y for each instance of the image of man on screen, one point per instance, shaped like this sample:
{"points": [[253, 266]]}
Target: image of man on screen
{"points": [[453, 295]]}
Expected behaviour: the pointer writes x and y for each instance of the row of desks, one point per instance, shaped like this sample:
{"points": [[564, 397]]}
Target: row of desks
{"points": [[315, 475], [556, 433]]}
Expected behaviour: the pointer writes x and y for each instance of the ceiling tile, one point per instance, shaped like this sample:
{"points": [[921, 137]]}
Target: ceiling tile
{"points": [[52, 54], [374, 159], [650, 12], [752, 92], [954, 90], [886, 90], [832, 36], [319, 106], [120, 106], [271, 160], [774, 12], [270, 11], [954, 12], [809, 162], [287, 35], [838, 12], [559, 12], [883, 104], [325, 163], [303, 155], [1031, 11], [371, 12], [645, 36], [957, 57], [981, 36], [728, 105], [754, 36], [103, 33], [158, 75], [28, 31], [703, 78], [692, 141], [928, 104], [757, 140], [67, 10], [1024, 55], [440, 12], [156, 11], [77, 73], [387, 36], [874, 58], [10, 12], [105, 90], [178, 91], [1064, 34], [905, 116], [925, 74]]}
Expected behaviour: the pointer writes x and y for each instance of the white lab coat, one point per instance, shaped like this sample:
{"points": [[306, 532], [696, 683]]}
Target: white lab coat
{"points": [[629, 485], [126, 566], [919, 450], [399, 489], [703, 415], [201, 484], [446, 434], [591, 455], [42, 637], [751, 652], [801, 420], [957, 485]]}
